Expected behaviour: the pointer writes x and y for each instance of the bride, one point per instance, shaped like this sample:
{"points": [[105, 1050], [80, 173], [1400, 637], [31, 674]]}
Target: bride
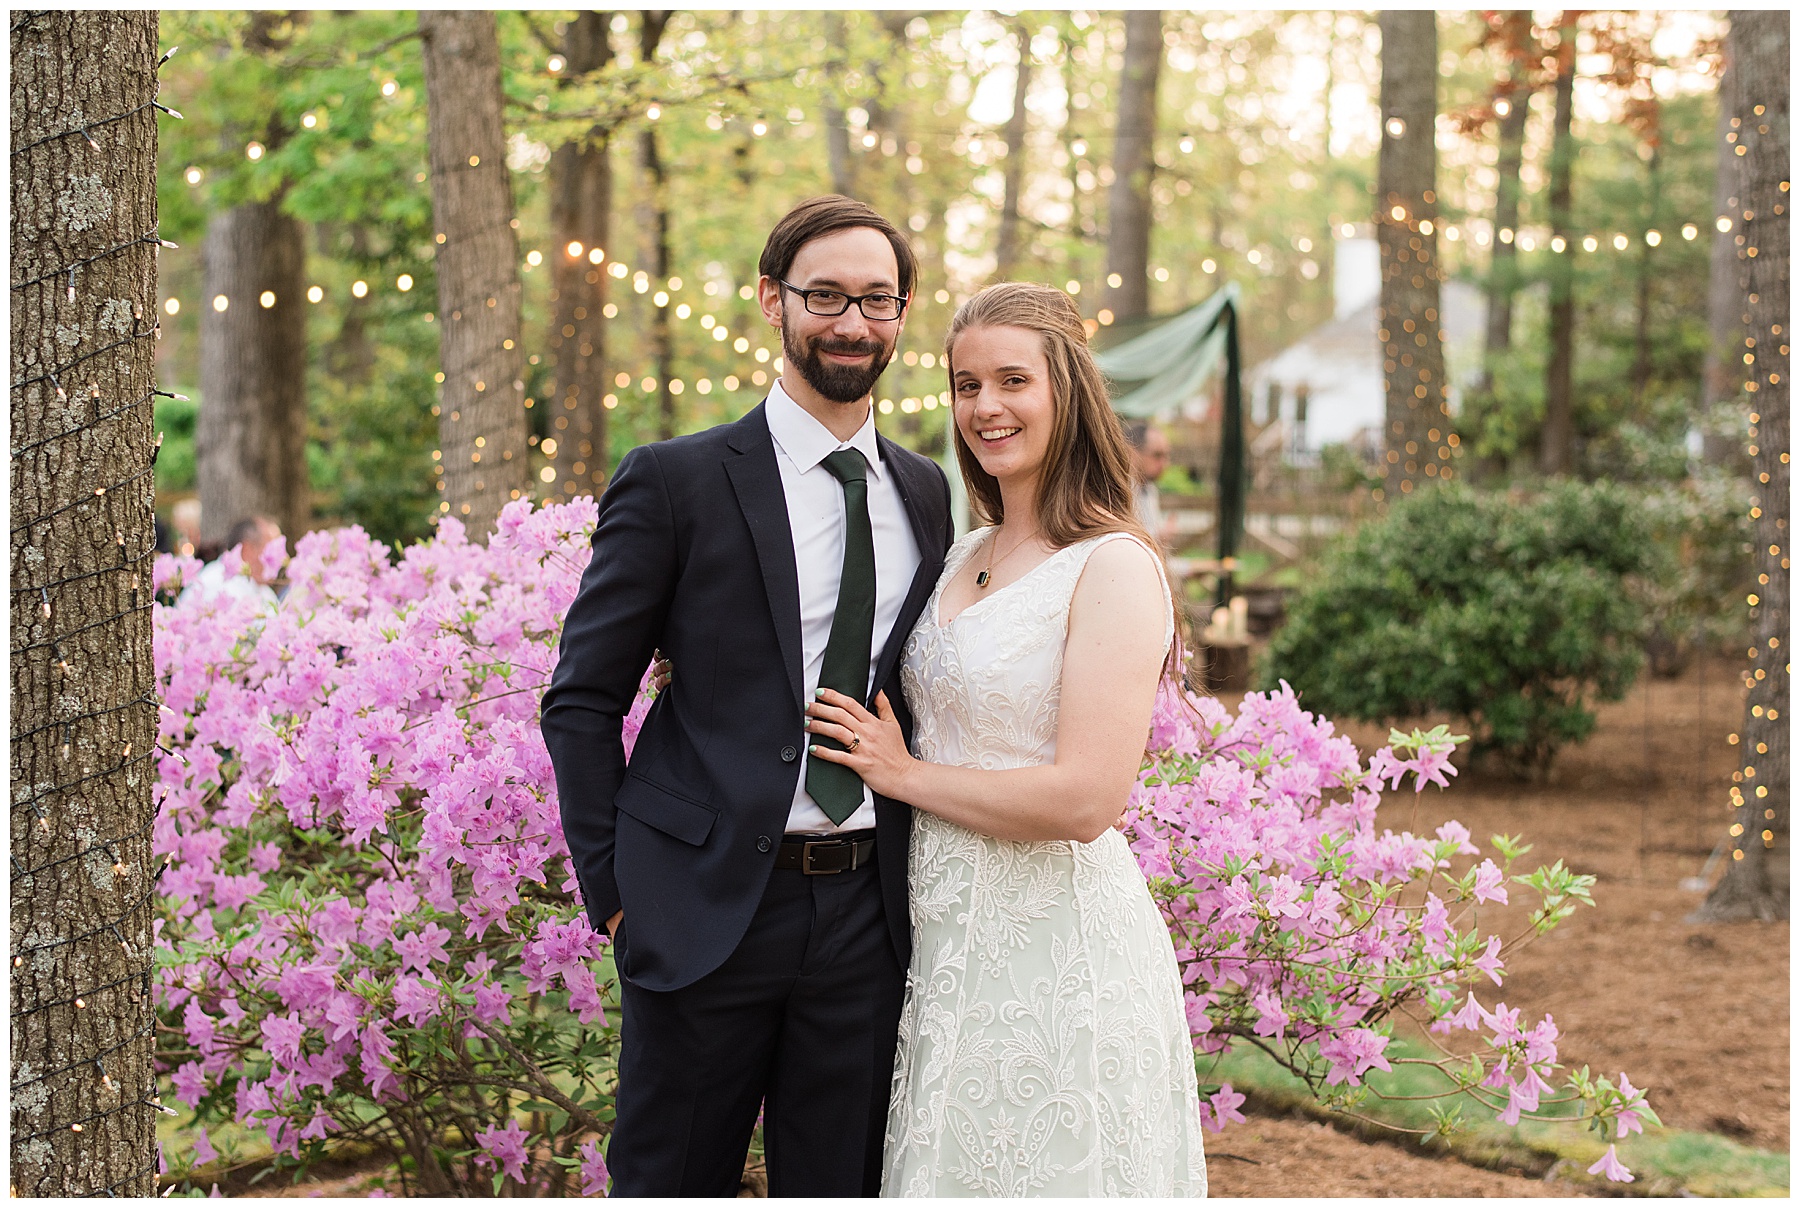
{"points": [[1043, 1045]]}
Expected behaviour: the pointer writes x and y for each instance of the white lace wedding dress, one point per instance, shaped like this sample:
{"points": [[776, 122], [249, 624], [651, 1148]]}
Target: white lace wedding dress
{"points": [[1043, 1046]]}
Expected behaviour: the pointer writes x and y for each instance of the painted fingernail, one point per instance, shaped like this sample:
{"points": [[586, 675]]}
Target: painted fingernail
{"points": [[812, 749], [819, 693]]}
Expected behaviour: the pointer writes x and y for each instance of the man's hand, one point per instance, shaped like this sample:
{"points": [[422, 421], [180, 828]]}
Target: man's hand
{"points": [[612, 924]]}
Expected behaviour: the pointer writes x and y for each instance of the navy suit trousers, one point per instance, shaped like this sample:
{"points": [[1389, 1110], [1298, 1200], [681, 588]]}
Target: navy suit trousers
{"points": [[799, 1021]]}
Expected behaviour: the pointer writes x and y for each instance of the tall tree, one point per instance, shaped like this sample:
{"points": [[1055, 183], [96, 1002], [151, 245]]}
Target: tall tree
{"points": [[1556, 449], [481, 423], [1512, 105], [1406, 229], [84, 222], [1134, 163], [653, 228], [839, 164], [581, 189], [1759, 54], [250, 439], [1006, 246], [1722, 373]]}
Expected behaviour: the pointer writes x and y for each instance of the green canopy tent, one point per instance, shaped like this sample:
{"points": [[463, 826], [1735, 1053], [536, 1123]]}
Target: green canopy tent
{"points": [[1161, 366]]}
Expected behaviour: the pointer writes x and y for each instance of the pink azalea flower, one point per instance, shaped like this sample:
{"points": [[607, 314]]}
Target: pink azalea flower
{"points": [[1489, 961], [594, 1176], [1629, 1120], [1490, 883], [415, 1000], [190, 1083], [1221, 1108], [505, 1148], [1610, 1166]]}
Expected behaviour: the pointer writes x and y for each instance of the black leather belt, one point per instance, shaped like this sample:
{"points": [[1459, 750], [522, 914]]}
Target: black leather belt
{"points": [[834, 853]]}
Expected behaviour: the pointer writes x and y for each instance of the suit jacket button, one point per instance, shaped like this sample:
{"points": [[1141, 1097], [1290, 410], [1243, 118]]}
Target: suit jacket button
{"points": [[763, 843], [789, 754]]}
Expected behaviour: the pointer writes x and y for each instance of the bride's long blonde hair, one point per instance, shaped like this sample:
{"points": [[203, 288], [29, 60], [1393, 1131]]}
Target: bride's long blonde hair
{"points": [[1085, 488]]}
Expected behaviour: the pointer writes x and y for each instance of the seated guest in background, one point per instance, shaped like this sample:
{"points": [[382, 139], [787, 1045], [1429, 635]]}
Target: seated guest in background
{"points": [[250, 536], [1149, 458]]}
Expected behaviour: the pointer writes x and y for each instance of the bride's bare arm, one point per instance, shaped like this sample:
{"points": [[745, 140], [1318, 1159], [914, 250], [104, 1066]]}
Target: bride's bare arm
{"points": [[1111, 664]]}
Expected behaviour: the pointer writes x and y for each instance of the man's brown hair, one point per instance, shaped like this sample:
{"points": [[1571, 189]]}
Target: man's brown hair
{"points": [[817, 216]]}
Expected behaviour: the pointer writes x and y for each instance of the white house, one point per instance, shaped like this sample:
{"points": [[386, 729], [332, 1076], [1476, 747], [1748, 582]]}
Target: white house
{"points": [[1326, 388]]}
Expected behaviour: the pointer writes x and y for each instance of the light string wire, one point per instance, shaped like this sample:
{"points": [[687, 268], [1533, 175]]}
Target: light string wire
{"points": [[129, 570]]}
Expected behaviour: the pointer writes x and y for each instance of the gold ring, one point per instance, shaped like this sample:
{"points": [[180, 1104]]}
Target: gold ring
{"points": [[855, 742]]}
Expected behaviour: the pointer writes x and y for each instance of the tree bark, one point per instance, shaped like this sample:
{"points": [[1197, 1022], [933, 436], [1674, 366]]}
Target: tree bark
{"points": [[481, 421], [1722, 374], [581, 188], [1134, 163], [1503, 270], [653, 226], [1752, 887], [83, 681], [837, 128], [1006, 256], [250, 435], [1406, 229], [1556, 447]]}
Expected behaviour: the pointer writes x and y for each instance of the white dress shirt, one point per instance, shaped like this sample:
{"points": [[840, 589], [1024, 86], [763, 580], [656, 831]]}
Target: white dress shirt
{"points": [[815, 507]]}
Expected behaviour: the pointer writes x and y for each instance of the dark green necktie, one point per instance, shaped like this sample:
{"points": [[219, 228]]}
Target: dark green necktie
{"points": [[835, 788]]}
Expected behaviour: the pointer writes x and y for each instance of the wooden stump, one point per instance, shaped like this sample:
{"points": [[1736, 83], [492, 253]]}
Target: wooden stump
{"points": [[1227, 666]]}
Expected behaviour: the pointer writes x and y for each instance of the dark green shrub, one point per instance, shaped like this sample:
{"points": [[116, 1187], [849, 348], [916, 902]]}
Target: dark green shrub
{"points": [[1511, 613]]}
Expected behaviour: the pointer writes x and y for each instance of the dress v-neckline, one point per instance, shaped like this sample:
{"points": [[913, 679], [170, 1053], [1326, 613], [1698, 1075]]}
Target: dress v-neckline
{"points": [[937, 603]]}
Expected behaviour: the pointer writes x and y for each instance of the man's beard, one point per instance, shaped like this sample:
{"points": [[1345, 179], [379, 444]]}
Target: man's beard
{"points": [[839, 383]]}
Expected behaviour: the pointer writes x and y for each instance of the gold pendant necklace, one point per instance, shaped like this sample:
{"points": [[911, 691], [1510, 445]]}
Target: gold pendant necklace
{"points": [[987, 574]]}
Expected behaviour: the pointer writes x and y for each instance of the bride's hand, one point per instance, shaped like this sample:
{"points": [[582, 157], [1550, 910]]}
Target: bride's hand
{"points": [[880, 758]]}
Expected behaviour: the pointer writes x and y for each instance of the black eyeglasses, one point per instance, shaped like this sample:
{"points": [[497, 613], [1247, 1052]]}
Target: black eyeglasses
{"points": [[882, 308]]}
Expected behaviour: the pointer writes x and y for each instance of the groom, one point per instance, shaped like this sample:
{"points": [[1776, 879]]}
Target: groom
{"points": [[756, 896]]}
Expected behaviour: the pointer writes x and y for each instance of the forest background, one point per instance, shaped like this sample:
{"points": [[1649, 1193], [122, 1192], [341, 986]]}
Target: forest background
{"points": [[672, 141]]}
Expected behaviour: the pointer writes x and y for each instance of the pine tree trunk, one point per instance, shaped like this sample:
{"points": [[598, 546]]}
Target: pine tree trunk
{"points": [[581, 190], [1406, 228], [837, 129], [1503, 271], [1006, 256], [1556, 453], [1755, 885], [653, 228], [83, 682], [1134, 163], [1722, 373], [250, 436], [481, 420]]}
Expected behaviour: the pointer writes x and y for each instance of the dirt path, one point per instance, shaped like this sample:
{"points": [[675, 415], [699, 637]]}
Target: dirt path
{"points": [[1306, 1159]]}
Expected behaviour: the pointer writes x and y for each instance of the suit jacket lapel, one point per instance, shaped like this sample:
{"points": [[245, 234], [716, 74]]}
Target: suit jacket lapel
{"points": [[916, 493], [757, 480]]}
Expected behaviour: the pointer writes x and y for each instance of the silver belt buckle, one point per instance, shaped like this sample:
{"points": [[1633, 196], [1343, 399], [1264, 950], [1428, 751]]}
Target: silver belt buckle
{"points": [[806, 858]]}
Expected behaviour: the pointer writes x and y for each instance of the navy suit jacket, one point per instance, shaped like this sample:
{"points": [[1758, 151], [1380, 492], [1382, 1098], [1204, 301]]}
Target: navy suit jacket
{"points": [[693, 555]]}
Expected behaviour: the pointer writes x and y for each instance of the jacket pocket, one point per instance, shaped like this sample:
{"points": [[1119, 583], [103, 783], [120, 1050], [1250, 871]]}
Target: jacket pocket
{"points": [[678, 816]]}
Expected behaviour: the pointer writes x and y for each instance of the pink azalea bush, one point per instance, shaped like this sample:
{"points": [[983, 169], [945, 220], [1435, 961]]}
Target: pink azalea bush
{"points": [[370, 931], [1303, 928]]}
